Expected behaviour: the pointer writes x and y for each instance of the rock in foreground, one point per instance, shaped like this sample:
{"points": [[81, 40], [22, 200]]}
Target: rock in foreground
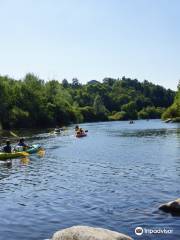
{"points": [[173, 206], [88, 233]]}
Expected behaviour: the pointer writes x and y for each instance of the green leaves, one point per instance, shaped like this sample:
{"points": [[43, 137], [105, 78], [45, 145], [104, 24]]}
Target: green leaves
{"points": [[151, 112], [173, 111], [32, 102], [100, 109]]}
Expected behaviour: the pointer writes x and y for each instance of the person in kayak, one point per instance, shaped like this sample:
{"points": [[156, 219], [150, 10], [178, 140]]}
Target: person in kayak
{"points": [[57, 129], [81, 131], [77, 128], [22, 143], [7, 148]]}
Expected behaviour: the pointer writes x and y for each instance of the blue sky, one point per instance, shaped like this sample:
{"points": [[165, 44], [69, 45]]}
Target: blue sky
{"points": [[91, 39]]}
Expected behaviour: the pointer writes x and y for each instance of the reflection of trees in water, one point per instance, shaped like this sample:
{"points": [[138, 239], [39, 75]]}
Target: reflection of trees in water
{"points": [[178, 131], [178, 168], [146, 133]]}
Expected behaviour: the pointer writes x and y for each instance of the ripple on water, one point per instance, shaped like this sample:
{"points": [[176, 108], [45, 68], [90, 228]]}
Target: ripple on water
{"points": [[115, 178]]}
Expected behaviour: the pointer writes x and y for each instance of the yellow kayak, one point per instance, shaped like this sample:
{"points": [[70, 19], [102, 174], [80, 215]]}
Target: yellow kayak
{"points": [[5, 156]]}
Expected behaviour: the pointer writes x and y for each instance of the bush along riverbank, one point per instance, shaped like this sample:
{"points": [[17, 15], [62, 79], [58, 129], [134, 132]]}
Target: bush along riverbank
{"points": [[32, 102], [172, 114]]}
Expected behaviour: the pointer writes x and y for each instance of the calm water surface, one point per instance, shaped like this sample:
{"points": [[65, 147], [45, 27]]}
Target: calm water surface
{"points": [[115, 178]]}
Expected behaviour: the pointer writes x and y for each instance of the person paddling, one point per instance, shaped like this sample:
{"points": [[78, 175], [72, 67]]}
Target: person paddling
{"points": [[22, 143], [81, 131], [7, 148], [77, 128]]}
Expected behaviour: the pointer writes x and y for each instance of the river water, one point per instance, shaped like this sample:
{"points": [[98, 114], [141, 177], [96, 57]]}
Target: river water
{"points": [[115, 178]]}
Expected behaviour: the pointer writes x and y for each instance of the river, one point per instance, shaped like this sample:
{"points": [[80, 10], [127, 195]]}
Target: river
{"points": [[115, 178]]}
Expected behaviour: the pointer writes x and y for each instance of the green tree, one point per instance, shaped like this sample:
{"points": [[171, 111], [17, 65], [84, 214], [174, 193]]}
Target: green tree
{"points": [[65, 83], [99, 108], [75, 83], [32, 102], [173, 111], [130, 110]]}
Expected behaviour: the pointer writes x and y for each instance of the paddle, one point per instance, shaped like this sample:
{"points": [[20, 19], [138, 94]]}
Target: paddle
{"points": [[13, 134]]}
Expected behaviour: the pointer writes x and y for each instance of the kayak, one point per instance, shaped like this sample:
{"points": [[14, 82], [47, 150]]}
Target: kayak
{"points": [[30, 150], [33, 149], [5, 156], [79, 135], [57, 132]]}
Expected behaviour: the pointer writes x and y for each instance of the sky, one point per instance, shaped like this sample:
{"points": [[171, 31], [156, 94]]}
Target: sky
{"points": [[91, 39]]}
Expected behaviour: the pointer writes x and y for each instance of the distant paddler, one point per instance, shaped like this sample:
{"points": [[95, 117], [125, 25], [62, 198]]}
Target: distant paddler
{"points": [[59, 129], [80, 133], [77, 128], [80, 130]]}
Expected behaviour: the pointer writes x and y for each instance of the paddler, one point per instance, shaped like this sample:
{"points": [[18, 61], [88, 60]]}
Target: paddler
{"points": [[81, 131], [77, 128], [22, 143], [7, 148]]}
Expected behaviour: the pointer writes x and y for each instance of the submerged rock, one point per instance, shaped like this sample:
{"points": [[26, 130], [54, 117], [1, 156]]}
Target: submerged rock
{"points": [[173, 206], [88, 233]]}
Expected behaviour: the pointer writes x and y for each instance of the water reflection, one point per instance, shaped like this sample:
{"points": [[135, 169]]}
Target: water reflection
{"points": [[114, 178], [12, 163], [41, 152], [145, 133], [25, 161]]}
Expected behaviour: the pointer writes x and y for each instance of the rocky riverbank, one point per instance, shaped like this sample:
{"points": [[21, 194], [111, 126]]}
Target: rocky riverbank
{"points": [[171, 207]]}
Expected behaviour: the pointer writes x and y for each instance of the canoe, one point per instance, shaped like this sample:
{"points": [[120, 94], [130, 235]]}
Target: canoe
{"points": [[33, 149], [79, 135], [5, 156]]}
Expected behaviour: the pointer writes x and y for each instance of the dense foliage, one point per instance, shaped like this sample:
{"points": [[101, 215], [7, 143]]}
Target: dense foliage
{"points": [[173, 112], [32, 102]]}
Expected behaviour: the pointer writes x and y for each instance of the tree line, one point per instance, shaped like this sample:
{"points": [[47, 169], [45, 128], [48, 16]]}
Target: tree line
{"points": [[33, 102], [173, 112]]}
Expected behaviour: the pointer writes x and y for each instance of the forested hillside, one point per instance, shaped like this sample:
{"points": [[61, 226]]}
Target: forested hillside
{"points": [[173, 112], [32, 102]]}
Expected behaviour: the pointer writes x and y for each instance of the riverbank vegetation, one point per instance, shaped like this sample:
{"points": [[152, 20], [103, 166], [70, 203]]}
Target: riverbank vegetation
{"points": [[32, 102], [173, 112]]}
